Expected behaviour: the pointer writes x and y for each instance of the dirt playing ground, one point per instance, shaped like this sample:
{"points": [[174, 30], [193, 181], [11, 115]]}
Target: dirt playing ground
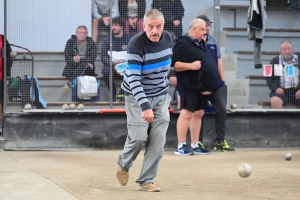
{"points": [[90, 175]]}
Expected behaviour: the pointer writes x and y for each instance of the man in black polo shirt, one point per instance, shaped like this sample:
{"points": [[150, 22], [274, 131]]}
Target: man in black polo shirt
{"points": [[196, 78]]}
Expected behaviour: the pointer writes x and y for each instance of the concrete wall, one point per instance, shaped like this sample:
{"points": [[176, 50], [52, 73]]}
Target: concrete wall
{"points": [[58, 131]]}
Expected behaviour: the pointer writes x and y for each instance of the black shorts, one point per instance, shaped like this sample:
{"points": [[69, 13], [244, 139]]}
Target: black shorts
{"points": [[193, 102]]}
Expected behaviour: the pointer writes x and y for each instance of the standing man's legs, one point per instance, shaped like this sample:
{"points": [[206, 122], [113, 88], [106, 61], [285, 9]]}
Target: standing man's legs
{"points": [[139, 135], [135, 141], [192, 106], [95, 30], [219, 101], [201, 136], [182, 125], [195, 125], [154, 147]]}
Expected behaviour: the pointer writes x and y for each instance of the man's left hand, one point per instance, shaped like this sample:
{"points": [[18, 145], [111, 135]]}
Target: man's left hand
{"points": [[148, 115]]}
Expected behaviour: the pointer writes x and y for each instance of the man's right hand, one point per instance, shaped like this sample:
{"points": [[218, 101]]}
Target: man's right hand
{"points": [[279, 91], [196, 65], [76, 58]]}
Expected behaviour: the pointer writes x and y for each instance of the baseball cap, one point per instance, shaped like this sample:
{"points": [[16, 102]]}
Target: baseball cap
{"points": [[205, 18]]}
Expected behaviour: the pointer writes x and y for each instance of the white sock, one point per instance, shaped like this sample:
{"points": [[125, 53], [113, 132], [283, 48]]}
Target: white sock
{"points": [[180, 145], [194, 145]]}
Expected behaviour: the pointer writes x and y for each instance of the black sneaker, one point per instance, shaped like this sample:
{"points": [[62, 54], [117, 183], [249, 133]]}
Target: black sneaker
{"points": [[184, 151], [200, 150], [224, 146]]}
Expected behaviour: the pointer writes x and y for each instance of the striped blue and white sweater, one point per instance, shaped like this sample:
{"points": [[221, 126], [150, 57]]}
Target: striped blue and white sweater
{"points": [[148, 64]]}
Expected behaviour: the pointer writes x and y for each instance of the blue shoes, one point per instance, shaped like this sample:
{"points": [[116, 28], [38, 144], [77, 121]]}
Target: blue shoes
{"points": [[201, 150], [184, 151]]}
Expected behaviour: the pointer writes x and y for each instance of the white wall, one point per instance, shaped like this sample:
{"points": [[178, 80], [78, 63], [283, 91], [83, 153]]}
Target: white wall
{"points": [[193, 8], [45, 25]]}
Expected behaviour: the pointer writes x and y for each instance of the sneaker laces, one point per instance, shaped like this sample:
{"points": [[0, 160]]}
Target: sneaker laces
{"points": [[201, 145], [185, 147], [226, 145]]}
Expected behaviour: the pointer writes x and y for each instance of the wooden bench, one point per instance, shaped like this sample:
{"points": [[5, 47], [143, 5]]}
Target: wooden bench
{"points": [[267, 30], [272, 53], [58, 78], [268, 104], [265, 103], [48, 53], [54, 78]]}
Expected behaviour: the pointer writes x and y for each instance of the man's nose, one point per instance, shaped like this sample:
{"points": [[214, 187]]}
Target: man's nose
{"points": [[155, 30]]}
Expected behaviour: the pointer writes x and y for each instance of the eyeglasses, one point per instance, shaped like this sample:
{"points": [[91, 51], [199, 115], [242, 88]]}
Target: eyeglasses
{"points": [[208, 25]]}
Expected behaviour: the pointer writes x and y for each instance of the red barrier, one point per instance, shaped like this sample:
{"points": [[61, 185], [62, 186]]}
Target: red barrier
{"points": [[103, 111]]}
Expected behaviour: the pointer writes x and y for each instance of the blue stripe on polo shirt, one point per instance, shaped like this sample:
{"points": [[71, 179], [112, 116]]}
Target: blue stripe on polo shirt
{"points": [[134, 67], [157, 65]]}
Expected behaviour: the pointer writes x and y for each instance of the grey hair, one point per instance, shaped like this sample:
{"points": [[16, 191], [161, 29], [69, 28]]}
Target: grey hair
{"points": [[153, 14], [286, 41], [82, 26], [195, 22]]}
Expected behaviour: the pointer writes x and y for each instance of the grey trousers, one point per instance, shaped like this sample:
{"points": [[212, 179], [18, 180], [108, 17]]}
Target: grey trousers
{"points": [[141, 134]]}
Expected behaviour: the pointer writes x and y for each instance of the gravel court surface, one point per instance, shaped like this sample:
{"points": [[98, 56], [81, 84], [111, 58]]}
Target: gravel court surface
{"points": [[89, 175]]}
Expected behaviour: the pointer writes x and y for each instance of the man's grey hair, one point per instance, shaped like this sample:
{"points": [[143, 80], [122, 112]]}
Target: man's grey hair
{"points": [[153, 14], [195, 22], [82, 26], [286, 41]]}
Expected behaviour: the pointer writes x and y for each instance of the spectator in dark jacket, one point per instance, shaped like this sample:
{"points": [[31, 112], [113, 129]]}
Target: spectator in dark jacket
{"points": [[285, 89], [80, 55], [173, 12], [133, 12], [120, 41]]}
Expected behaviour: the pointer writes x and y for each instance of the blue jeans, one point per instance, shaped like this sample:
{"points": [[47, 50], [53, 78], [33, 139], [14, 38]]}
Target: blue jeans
{"points": [[219, 101]]}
